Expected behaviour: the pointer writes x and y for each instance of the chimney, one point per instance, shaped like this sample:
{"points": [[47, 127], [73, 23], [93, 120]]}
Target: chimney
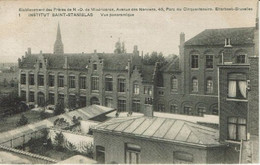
{"points": [[136, 52], [148, 110], [29, 51], [182, 38]]}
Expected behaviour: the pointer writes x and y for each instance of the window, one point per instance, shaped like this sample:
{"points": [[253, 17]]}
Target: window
{"points": [[201, 111], [60, 81], [51, 80], [209, 61], [174, 108], [121, 85], [236, 128], [241, 59], [180, 157], [194, 61], [195, 85], [94, 101], [136, 105], [136, 89], [82, 82], [94, 66], [237, 86], [72, 82], [31, 79], [40, 65], [31, 96], [174, 83], [148, 101], [23, 78], [100, 154], [108, 83], [187, 110], [94, 83], [82, 101], [148, 90], [72, 101], [161, 108], [132, 154], [227, 42], [209, 85], [160, 82], [41, 80], [161, 93], [23, 95], [51, 98], [121, 105], [61, 99], [108, 102], [215, 111]]}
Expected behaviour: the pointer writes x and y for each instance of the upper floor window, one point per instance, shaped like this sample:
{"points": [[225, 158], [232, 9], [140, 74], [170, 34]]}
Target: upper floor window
{"points": [[60, 81], [160, 93], [209, 61], [132, 154], [136, 89], [241, 59], [51, 80], [174, 83], [31, 79], [95, 83], [237, 86], [41, 80], [23, 78], [227, 42], [40, 65], [72, 82], [94, 66], [161, 107], [108, 83], [121, 85], [51, 98], [148, 90], [236, 128], [209, 85], [195, 85], [194, 61], [82, 82], [148, 101]]}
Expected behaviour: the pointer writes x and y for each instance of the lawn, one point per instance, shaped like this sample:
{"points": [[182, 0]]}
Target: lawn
{"points": [[9, 123]]}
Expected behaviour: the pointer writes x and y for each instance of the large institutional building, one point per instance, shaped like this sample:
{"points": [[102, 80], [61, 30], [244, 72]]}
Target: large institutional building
{"points": [[186, 85]]}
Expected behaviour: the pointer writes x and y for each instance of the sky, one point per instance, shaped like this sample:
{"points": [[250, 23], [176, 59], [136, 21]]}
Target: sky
{"points": [[150, 30]]}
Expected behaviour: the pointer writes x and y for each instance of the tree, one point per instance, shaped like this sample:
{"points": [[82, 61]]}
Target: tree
{"points": [[23, 121], [59, 108], [153, 58], [59, 138]]}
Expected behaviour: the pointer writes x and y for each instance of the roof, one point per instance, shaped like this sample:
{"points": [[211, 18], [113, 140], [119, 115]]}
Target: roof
{"points": [[115, 61], [10, 158], [238, 36], [78, 159], [164, 129], [172, 66]]}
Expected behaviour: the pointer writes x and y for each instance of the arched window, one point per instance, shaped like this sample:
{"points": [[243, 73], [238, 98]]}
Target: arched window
{"points": [[209, 83], [195, 84], [94, 100], [174, 83]]}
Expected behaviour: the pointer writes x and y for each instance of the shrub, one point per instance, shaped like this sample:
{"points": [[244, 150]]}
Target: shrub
{"points": [[23, 121]]}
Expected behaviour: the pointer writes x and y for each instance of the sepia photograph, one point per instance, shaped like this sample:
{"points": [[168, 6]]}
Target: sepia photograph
{"points": [[129, 82]]}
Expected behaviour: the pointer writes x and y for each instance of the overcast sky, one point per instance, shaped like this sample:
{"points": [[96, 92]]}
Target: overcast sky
{"points": [[151, 31]]}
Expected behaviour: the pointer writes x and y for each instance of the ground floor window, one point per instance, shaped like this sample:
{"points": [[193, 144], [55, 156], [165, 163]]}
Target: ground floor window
{"points": [[23, 95], [100, 154], [136, 106], [161, 108], [51, 98], [121, 105], [201, 111], [108, 102], [187, 110], [61, 99], [174, 108], [82, 101], [72, 101], [31, 96], [95, 101], [132, 154], [236, 128]]}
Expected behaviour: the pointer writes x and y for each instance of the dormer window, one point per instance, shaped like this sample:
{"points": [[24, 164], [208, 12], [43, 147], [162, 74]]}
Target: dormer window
{"points": [[228, 42]]}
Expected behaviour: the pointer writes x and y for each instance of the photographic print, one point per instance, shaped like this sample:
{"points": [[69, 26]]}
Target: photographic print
{"points": [[129, 82]]}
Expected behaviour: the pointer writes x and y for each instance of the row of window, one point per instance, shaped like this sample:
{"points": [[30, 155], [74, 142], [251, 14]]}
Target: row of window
{"points": [[133, 155], [82, 83], [186, 110], [195, 85], [209, 61]]}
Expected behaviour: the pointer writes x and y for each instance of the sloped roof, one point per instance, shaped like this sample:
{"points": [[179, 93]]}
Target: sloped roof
{"points": [[115, 61], [172, 66], [238, 36], [164, 129]]}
